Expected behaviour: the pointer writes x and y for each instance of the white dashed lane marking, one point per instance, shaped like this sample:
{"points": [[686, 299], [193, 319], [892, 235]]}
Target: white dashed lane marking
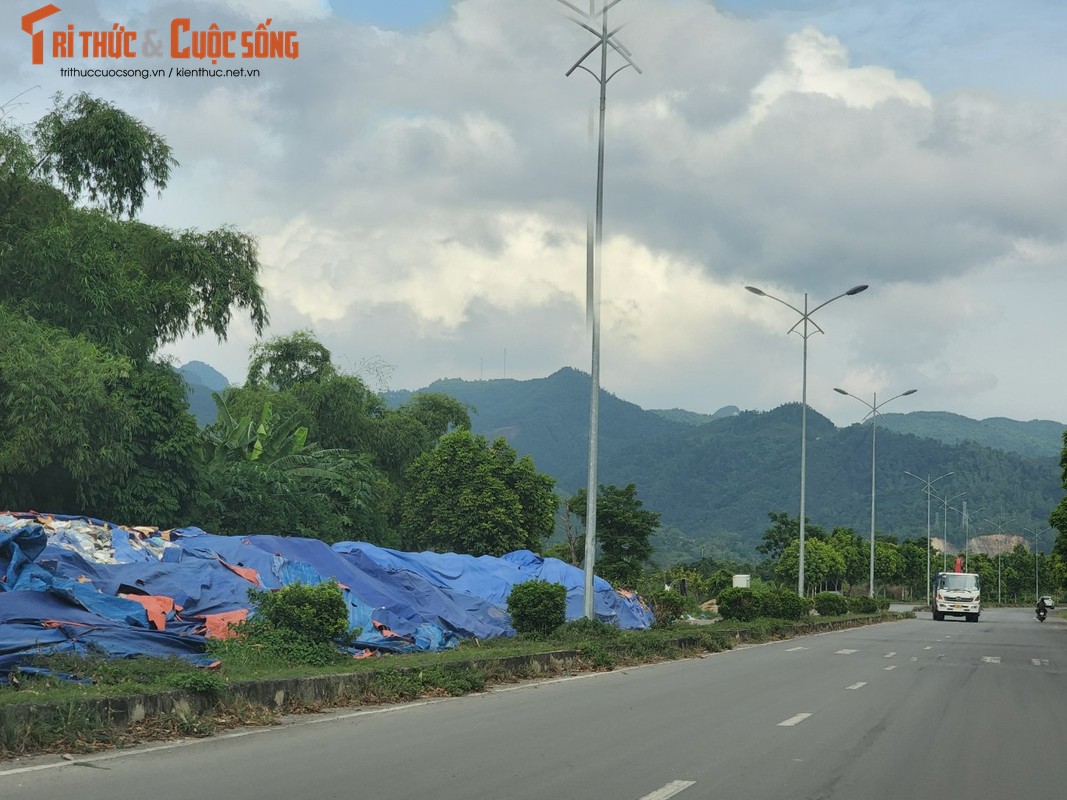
{"points": [[670, 790], [795, 649], [1039, 662], [859, 685], [794, 720], [845, 652], [991, 659], [891, 666]]}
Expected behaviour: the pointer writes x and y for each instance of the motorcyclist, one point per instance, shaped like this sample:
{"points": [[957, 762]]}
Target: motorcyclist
{"points": [[1042, 609]]}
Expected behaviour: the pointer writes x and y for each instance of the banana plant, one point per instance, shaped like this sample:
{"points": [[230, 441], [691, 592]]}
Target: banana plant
{"points": [[274, 444]]}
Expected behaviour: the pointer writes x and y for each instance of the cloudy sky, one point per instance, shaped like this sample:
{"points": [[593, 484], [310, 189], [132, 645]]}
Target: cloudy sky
{"points": [[420, 177]]}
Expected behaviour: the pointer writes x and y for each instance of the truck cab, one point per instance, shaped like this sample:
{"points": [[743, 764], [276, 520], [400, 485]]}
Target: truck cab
{"points": [[957, 594]]}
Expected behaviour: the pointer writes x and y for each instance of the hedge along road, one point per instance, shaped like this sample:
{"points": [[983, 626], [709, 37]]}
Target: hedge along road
{"points": [[912, 708]]}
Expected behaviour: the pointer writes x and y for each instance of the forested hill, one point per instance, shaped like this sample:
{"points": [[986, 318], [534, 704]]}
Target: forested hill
{"points": [[1038, 437], [200, 381], [716, 481]]}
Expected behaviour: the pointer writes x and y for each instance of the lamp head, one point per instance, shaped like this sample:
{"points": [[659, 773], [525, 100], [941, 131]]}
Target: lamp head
{"points": [[856, 290], [759, 292], [840, 391], [910, 391]]}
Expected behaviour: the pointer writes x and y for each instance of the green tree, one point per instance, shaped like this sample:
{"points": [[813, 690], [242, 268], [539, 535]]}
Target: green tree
{"points": [[283, 362], [888, 565], [623, 531], [128, 286], [295, 375], [296, 371], [63, 422], [89, 421], [783, 530], [467, 496], [824, 566], [263, 476], [913, 555], [1058, 520], [849, 546]]}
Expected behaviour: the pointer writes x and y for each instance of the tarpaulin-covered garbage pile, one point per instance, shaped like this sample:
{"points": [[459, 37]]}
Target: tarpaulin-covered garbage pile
{"points": [[81, 585]]}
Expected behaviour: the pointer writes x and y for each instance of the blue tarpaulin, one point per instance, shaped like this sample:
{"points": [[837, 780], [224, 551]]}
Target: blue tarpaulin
{"points": [[77, 585]]}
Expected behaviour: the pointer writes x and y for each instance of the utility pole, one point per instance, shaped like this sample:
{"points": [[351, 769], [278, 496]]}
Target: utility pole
{"points": [[605, 39]]}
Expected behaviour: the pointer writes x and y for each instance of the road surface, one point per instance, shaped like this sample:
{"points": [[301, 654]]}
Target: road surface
{"points": [[909, 709]]}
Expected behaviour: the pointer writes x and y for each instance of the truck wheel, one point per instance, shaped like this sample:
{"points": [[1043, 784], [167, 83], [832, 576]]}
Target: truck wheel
{"points": [[972, 617], [938, 616]]}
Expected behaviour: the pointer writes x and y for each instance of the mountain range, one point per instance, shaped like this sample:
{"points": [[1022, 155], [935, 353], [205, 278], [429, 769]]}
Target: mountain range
{"points": [[714, 477], [200, 381]]}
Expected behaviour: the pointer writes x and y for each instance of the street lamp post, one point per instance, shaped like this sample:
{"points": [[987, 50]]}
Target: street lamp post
{"points": [[926, 489], [967, 512], [874, 406], [1000, 530], [804, 332], [596, 23], [944, 521], [1037, 583]]}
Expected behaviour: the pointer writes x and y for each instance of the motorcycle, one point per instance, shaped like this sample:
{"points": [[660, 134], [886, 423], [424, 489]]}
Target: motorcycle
{"points": [[1041, 614]]}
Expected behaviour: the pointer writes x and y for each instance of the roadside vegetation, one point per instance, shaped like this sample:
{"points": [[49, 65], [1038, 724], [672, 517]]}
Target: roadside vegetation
{"points": [[301, 632]]}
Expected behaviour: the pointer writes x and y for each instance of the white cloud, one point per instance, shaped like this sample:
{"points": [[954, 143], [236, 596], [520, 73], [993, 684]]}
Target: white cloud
{"points": [[423, 196], [818, 64]]}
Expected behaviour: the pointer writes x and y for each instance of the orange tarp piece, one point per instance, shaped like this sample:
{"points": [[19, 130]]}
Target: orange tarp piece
{"points": [[247, 573], [217, 626], [384, 631], [158, 607]]}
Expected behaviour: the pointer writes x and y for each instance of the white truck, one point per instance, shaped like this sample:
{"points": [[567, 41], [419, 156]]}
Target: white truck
{"points": [[957, 594]]}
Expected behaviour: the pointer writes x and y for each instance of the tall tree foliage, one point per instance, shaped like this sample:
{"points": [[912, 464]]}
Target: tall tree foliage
{"points": [[624, 530], [89, 422], [262, 475], [1058, 518], [469, 496], [295, 375]]}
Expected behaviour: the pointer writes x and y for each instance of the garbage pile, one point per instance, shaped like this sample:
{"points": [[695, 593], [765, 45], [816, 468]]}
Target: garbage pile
{"points": [[80, 585]]}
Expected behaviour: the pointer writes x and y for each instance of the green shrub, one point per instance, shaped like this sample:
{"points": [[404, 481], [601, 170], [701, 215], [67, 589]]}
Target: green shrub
{"points": [[667, 606], [740, 604], [202, 682], [537, 607], [862, 605], [314, 613], [831, 604], [882, 603], [597, 655], [299, 624], [260, 646], [783, 604], [582, 629]]}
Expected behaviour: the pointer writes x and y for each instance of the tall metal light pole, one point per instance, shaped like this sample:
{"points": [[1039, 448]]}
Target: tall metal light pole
{"points": [[604, 40], [874, 405], [944, 520], [926, 489], [1037, 582], [1000, 530], [805, 318], [967, 512]]}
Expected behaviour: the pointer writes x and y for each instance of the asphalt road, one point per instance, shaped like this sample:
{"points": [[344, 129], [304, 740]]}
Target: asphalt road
{"points": [[910, 709]]}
